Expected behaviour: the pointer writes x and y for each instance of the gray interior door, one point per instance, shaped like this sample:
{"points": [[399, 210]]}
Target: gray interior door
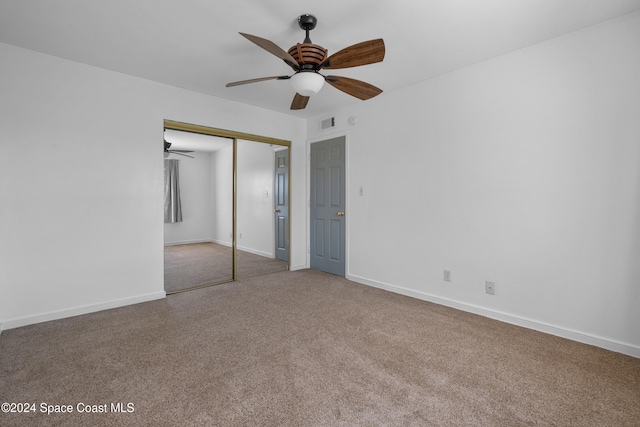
{"points": [[281, 205], [328, 206]]}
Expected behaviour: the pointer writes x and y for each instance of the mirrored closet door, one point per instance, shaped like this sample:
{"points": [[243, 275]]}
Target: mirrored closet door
{"points": [[226, 206]]}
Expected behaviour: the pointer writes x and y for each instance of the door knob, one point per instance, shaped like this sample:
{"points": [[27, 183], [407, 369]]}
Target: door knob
{"points": [[276, 210], [341, 213]]}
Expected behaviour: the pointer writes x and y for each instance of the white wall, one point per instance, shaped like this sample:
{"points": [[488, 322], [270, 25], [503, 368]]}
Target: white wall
{"points": [[195, 179], [81, 177], [222, 195], [523, 170]]}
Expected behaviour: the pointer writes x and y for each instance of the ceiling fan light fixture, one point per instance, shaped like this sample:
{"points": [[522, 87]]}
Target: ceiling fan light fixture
{"points": [[307, 83]]}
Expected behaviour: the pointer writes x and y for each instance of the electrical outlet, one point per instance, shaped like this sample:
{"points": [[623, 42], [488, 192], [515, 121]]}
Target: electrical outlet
{"points": [[490, 288], [447, 276]]}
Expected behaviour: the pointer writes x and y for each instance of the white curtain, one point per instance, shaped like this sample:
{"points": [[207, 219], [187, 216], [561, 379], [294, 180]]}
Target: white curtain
{"points": [[172, 206]]}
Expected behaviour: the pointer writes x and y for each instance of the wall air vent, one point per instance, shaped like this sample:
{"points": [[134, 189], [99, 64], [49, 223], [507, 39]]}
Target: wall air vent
{"points": [[328, 123]]}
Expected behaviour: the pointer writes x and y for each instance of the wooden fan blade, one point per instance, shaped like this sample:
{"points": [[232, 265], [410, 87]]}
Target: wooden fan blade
{"points": [[363, 53], [273, 48], [261, 79], [299, 102], [354, 87], [181, 154]]}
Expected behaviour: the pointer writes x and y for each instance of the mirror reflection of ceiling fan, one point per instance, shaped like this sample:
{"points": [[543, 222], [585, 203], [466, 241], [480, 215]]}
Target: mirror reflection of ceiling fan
{"points": [[307, 59], [167, 151]]}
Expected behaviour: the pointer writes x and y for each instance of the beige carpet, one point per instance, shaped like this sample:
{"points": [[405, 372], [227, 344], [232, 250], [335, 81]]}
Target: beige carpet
{"points": [[310, 349], [199, 264]]}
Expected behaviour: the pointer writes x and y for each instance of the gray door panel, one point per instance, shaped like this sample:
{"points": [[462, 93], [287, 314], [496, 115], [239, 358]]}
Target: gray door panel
{"points": [[328, 206]]}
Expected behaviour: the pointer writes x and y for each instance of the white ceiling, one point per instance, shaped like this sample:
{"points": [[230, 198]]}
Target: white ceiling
{"points": [[194, 44]]}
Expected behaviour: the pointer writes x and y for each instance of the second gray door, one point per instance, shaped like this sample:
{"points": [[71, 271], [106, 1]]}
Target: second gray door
{"points": [[281, 205]]}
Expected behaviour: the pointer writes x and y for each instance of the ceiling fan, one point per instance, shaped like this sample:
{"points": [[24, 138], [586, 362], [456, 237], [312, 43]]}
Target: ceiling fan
{"points": [[307, 59], [167, 145]]}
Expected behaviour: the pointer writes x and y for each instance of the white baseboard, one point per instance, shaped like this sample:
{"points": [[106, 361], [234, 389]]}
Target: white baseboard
{"points": [[221, 242], [298, 267], [255, 252], [76, 311], [608, 344], [187, 242]]}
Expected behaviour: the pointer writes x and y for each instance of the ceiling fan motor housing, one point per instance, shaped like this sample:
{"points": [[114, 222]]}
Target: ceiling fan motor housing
{"points": [[309, 56], [308, 53]]}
